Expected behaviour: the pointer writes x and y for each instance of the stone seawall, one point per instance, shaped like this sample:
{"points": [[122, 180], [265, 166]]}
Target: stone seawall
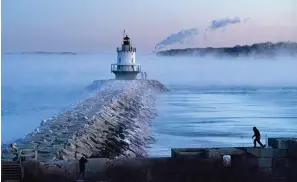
{"points": [[114, 122], [278, 160]]}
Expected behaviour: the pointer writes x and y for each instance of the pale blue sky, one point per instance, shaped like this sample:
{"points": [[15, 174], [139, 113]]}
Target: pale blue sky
{"points": [[97, 25]]}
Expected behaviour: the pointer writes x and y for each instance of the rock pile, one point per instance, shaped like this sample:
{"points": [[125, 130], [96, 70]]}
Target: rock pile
{"points": [[112, 123]]}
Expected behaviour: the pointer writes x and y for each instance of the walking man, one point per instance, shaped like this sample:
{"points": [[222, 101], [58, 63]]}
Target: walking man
{"points": [[257, 136], [82, 167]]}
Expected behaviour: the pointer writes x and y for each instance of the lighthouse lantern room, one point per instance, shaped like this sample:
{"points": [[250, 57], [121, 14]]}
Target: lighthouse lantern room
{"points": [[126, 67]]}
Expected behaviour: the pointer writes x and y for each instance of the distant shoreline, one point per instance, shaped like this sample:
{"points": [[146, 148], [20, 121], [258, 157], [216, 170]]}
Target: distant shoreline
{"points": [[44, 52], [267, 49]]}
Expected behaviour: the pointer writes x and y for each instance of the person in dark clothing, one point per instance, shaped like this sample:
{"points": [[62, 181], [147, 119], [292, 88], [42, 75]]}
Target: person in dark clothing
{"points": [[15, 151], [257, 136], [82, 166]]}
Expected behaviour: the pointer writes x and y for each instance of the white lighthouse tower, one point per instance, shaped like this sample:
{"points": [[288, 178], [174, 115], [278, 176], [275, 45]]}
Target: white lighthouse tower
{"points": [[126, 67]]}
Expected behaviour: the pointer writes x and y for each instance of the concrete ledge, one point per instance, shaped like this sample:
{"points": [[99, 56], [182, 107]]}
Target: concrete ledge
{"points": [[231, 151], [261, 152], [188, 152], [206, 152], [267, 153], [256, 152]]}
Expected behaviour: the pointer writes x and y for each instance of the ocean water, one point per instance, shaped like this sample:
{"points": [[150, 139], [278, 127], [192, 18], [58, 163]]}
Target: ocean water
{"points": [[212, 102], [193, 116]]}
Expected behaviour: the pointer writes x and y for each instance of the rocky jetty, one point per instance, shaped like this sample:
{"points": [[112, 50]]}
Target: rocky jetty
{"points": [[114, 122]]}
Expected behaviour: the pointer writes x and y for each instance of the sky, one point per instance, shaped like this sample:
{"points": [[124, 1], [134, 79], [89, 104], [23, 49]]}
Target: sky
{"points": [[97, 26]]}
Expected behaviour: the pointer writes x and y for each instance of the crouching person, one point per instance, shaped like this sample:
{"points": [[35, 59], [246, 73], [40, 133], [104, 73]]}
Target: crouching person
{"points": [[15, 151]]}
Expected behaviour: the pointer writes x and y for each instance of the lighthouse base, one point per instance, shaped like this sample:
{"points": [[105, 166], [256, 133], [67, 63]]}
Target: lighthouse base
{"points": [[126, 75]]}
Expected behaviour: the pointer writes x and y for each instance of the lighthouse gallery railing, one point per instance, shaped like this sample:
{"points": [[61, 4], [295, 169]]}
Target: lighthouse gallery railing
{"points": [[119, 49], [125, 68]]}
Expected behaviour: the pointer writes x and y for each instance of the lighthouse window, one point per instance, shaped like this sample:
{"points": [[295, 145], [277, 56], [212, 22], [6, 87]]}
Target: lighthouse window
{"points": [[132, 60], [119, 60]]}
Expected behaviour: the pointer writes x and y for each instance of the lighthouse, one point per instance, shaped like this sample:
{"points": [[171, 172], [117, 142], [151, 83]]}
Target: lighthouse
{"points": [[126, 67]]}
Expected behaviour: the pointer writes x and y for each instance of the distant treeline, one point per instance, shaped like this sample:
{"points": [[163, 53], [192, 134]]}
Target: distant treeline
{"points": [[267, 49]]}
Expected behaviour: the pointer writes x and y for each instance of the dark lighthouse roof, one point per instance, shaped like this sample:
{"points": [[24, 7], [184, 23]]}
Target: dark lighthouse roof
{"points": [[126, 40]]}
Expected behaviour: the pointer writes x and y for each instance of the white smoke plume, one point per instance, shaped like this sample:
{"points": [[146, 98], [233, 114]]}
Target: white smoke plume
{"points": [[188, 35], [220, 23], [180, 37]]}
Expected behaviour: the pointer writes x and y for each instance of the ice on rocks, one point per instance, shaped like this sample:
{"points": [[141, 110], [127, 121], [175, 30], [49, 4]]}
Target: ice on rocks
{"points": [[114, 122]]}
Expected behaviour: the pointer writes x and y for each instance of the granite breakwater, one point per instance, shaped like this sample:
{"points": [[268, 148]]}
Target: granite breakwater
{"points": [[113, 122]]}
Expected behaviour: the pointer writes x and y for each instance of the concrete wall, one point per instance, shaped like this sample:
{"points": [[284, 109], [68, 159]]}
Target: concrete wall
{"points": [[146, 169], [126, 75], [280, 159]]}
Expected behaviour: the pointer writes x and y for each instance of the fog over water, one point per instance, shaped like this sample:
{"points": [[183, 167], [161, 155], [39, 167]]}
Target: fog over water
{"points": [[213, 102]]}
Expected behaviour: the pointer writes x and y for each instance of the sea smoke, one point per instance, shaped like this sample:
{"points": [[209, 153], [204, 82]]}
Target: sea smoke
{"points": [[114, 122]]}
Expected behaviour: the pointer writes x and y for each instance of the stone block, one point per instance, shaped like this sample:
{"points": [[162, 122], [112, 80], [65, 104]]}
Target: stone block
{"points": [[280, 163], [266, 152], [292, 149], [280, 153], [213, 154], [264, 162], [282, 143], [176, 151], [292, 154], [292, 170], [187, 153], [279, 143], [238, 159], [266, 170], [261, 152], [252, 161], [256, 152], [272, 142], [293, 163], [190, 154], [292, 142], [259, 162], [173, 152], [230, 151], [280, 172]]}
